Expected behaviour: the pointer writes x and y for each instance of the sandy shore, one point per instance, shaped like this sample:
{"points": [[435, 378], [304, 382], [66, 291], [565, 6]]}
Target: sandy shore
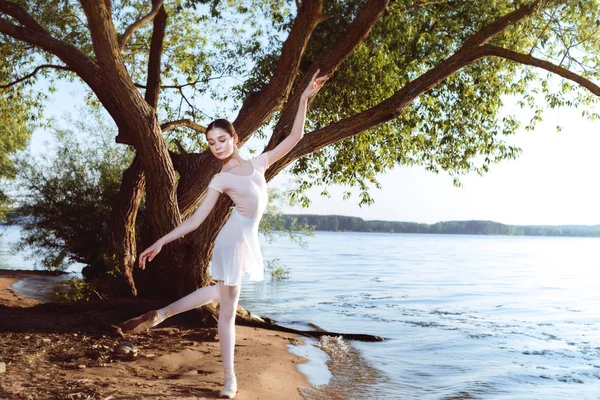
{"points": [[56, 351], [8, 297]]}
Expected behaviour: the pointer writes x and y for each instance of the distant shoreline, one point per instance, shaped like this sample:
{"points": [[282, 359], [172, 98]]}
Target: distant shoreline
{"points": [[341, 223]]}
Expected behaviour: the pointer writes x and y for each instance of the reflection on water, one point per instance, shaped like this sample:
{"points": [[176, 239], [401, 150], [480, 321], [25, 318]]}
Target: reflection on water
{"points": [[485, 317]]}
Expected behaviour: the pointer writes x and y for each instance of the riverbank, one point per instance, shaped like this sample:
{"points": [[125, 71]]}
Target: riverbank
{"points": [[68, 351], [9, 297]]}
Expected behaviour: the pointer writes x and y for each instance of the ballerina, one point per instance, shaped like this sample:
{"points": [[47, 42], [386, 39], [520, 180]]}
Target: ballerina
{"points": [[236, 250]]}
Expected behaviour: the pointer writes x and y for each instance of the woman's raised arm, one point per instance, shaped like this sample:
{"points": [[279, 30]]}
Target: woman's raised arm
{"points": [[297, 132]]}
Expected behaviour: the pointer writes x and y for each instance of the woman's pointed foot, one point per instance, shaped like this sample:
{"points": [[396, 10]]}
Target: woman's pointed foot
{"points": [[228, 391], [230, 387], [141, 323]]}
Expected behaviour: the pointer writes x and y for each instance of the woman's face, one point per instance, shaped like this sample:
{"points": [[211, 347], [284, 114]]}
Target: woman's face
{"points": [[221, 143]]}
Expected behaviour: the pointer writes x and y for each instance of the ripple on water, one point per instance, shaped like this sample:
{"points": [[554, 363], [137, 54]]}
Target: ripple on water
{"points": [[351, 376]]}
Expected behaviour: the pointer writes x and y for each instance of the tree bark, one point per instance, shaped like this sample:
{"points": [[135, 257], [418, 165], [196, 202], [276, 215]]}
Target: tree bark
{"points": [[156, 224], [122, 244]]}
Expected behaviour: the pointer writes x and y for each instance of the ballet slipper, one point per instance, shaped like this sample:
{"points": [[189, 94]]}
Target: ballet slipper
{"points": [[141, 323], [230, 387]]}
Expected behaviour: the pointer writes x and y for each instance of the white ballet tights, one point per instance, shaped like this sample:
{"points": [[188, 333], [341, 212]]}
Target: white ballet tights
{"points": [[228, 297]]}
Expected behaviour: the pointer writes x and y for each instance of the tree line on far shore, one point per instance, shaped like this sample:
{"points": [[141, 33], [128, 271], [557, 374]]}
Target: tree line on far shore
{"points": [[339, 223], [342, 223]]}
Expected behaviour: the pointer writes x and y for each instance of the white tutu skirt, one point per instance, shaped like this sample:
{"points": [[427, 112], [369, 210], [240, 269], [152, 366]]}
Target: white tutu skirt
{"points": [[237, 251]]}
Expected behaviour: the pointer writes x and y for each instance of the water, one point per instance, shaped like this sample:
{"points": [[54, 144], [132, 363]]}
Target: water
{"points": [[466, 317], [35, 287], [9, 260]]}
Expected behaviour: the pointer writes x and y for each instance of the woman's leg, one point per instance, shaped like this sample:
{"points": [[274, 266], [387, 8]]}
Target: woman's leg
{"points": [[230, 296], [197, 298]]}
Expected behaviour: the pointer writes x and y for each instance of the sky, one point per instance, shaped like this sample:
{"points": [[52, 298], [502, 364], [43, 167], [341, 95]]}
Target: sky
{"points": [[553, 182]]}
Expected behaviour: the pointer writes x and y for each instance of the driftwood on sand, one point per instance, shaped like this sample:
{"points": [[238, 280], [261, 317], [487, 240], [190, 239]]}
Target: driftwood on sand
{"points": [[247, 318]]}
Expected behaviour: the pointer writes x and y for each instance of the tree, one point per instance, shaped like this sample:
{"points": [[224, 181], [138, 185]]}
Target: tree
{"points": [[65, 194], [15, 131], [414, 82]]}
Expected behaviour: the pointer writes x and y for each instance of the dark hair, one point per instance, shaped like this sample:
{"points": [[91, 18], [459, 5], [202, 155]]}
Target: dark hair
{"points": [[221, 124]]}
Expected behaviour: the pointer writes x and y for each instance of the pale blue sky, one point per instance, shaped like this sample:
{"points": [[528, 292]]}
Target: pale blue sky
{"points": [[553, 182]]}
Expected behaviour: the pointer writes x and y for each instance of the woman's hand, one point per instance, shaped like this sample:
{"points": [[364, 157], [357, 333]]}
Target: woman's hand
{"points": [[149, 254], [314, 86]]}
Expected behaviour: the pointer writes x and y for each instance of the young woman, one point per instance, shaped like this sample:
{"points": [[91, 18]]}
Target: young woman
{"points": [[236, 249]]}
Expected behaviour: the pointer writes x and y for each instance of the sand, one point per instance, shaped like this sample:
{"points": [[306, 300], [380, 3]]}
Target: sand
{"points": [[55, 351]]}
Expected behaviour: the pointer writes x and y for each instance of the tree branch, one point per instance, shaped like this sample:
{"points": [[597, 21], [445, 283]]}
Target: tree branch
{"points": [[21, 16], [182, 150], [117, 81], [154, 58], [385, 111], [72, 56], [104, 38], [486, 34], [156, 7], [394, 106], [140, 86], [188, 123], [75, 59], [189, 103], [527, 59], [356, 33], [259, 106], [35, 71], [542, 31]]}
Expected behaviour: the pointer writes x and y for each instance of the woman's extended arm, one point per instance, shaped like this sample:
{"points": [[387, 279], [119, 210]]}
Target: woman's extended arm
{"points": [[297, 132], [190, 224]]}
